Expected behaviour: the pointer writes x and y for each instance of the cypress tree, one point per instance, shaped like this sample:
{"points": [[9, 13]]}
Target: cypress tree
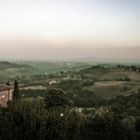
{"points": [[16, 91]]}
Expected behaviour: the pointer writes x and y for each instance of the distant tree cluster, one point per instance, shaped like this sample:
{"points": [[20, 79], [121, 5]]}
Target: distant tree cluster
{"points": [[132, 68]]}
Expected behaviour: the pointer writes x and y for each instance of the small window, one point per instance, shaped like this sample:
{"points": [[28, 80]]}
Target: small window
{"points": [[3, 96]]}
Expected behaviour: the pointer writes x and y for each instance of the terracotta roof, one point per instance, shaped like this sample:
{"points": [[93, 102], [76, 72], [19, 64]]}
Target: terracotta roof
{"points": [[4, 87]]}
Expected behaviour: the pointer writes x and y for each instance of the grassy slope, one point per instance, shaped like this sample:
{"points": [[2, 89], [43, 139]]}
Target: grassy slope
{"points": [[108, 84]]}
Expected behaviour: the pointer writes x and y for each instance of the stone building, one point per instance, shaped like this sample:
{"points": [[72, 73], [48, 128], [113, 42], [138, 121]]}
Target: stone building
{"points": [[5, 95]]}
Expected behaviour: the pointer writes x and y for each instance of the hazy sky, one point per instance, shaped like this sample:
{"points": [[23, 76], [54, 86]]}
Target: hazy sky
{"points": [[42, 29]]}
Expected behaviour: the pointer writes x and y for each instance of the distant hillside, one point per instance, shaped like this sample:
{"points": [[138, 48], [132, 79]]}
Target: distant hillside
{"points": [[113, 81], [5, 65], [51, 67], [108, 73], [10, 70]]}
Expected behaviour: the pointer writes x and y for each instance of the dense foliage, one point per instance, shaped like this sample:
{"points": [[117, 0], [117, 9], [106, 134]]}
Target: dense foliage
{"points": [[53, 118]]}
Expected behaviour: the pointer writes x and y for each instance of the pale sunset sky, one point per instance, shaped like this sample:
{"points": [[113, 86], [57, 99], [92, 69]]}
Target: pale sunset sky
{"points": [[46, 29]]}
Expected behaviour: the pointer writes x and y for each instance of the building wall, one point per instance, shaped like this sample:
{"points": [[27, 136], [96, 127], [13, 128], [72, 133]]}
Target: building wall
{"points": [[5, 96]]}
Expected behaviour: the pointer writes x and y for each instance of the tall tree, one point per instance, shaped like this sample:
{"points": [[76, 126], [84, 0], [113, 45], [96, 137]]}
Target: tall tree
{"points": [[56, 98], [16, 91]]}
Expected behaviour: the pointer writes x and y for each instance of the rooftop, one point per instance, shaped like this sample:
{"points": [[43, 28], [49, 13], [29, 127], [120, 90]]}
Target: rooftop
{"points": [[4, 87]]}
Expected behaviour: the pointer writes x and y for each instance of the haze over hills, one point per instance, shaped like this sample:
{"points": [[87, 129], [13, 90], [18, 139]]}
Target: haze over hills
{"points": [[107, 30], [105, 60]]}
